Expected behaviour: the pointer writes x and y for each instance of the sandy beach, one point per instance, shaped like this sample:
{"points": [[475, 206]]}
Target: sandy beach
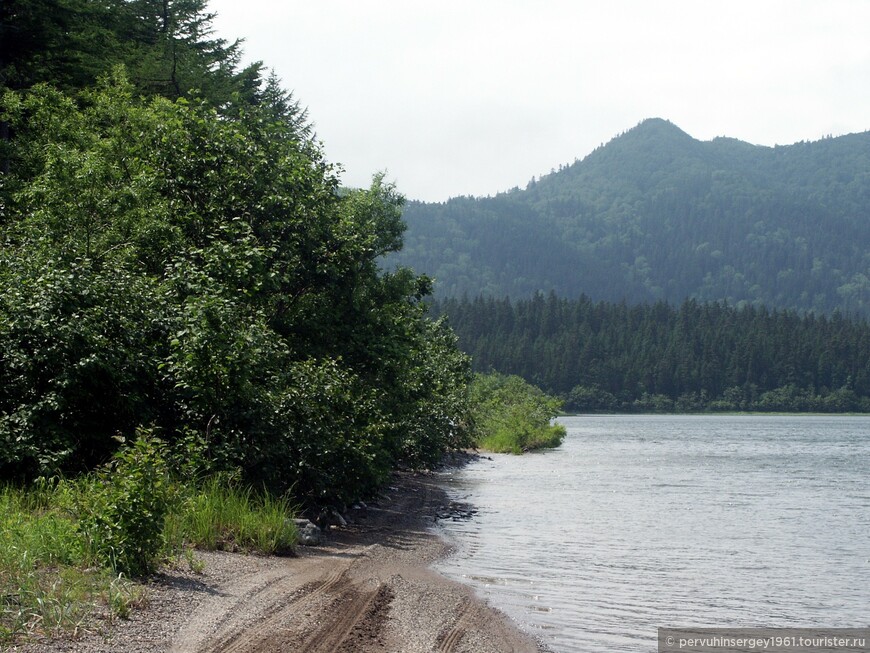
{"points": [[368, 589]]}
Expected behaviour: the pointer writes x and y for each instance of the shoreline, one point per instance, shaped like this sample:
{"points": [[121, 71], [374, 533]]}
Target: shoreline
{"points": [[369, 588]]}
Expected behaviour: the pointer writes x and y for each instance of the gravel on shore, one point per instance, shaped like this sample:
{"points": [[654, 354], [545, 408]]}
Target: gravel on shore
{"points": [[368, 589]]}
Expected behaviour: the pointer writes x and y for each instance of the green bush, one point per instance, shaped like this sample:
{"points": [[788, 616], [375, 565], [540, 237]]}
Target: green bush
{"points": [[77, 362], [167, 265], [124, 508], [512, 416]]}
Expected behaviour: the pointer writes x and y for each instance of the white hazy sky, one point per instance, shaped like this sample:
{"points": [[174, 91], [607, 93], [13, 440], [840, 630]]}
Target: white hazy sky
{"points": [[473, 97]]}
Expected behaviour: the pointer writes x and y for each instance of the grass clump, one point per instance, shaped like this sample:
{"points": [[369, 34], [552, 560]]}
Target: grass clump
{"points": [[512, 416], [222, 514], [47, 584]]}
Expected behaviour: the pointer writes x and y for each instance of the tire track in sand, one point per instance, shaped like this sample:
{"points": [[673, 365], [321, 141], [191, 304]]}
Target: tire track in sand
{"points": [[220, 621], [359, 619], [265, 612], [354, 616], [454, 635], [220, 610], [238, 638]]}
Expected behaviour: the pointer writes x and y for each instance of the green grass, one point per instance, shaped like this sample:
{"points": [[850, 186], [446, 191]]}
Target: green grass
{"points": [[47, 584], [220, 514], [51, 583]]}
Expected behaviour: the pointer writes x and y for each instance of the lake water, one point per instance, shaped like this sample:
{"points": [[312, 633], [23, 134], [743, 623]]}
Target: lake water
{"points": [[637, 522]]}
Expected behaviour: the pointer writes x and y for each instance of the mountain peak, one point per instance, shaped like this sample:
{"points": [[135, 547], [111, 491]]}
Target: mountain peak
{"points": [[657, 214], [656, 129], [639, 156], [660, 124]]}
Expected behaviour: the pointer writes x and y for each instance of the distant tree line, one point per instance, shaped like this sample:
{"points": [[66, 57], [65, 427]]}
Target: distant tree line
{"points": [[602, 356]]}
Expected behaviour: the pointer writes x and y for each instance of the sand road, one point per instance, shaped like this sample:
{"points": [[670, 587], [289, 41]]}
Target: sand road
{"points": [[369, 589]]}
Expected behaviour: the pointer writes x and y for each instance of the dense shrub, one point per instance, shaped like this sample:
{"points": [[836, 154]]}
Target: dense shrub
{"points": [[125, 506], [512, 416], [79, 361], [167, 265]]}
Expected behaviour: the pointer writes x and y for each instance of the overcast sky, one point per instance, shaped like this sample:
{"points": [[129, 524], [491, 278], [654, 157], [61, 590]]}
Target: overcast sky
{"points": [[474, 97]]}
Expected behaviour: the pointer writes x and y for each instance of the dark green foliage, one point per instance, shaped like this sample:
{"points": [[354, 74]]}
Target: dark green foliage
{"points": [[167, 266], [656, 215], [167, 45], [512, 416], [177, 258], [660, 358], [77, 350], [61, 41]]}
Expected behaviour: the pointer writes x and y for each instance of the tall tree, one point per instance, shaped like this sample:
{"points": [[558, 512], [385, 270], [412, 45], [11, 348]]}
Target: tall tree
{"points": [[172, 51]]}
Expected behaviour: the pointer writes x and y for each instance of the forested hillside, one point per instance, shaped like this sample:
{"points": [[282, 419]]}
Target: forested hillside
{"points": [[657, 215], [657, 357]]}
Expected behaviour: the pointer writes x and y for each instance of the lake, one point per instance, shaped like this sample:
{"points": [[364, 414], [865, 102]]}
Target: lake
{"points": [[638, 522]]}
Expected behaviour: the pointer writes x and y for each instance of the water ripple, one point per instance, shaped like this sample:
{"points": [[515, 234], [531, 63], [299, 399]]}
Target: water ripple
{"points": [[641, 522]]}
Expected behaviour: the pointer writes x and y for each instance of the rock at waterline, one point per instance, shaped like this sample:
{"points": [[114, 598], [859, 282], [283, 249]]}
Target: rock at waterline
{"points": [[309, 533]]}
